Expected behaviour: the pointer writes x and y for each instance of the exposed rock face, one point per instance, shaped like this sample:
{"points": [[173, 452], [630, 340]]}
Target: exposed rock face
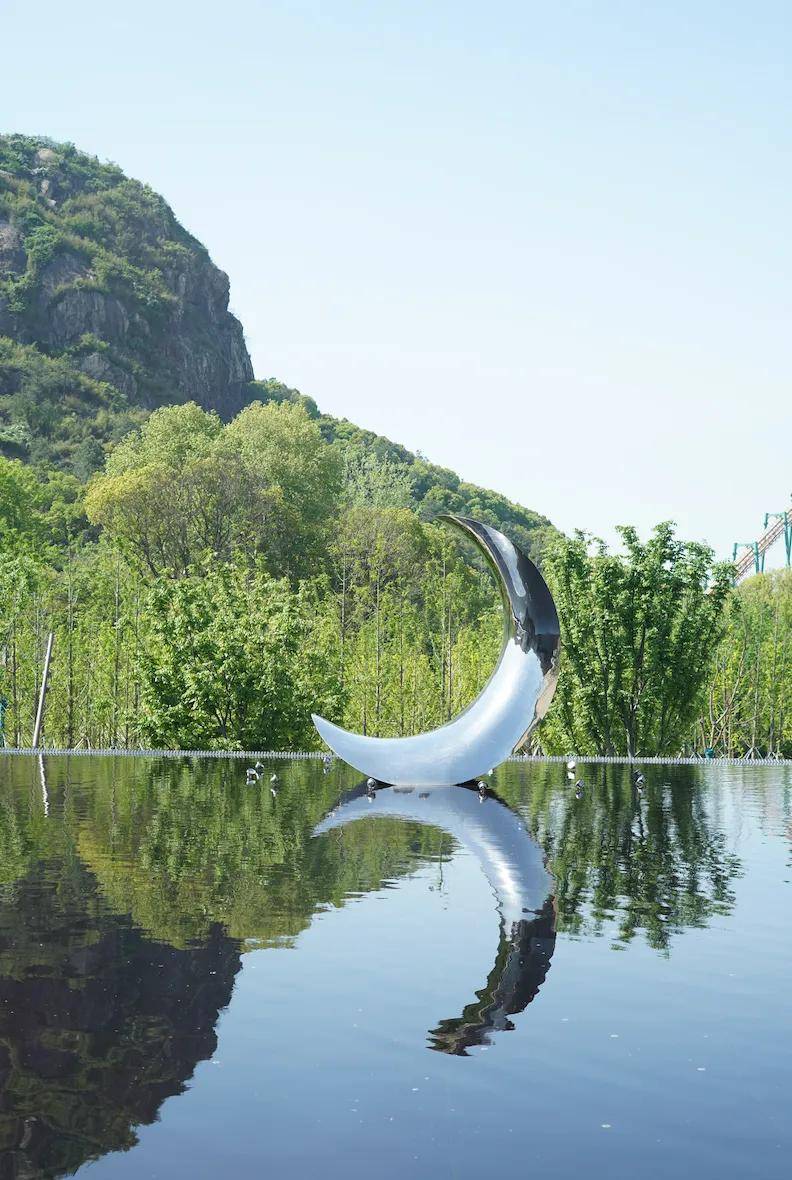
{"points": [[12, 255], [95, 269]]}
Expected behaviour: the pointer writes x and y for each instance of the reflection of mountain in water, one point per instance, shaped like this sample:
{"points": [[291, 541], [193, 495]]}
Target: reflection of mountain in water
{"points": [[98, 1024], [124, 904], [514, 867], [100, 1020]]}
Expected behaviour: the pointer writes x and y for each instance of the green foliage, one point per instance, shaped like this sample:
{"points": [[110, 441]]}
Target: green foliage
{"points": [[14, 440], [185, 488], [48, 410], [748, 700], [275, 391], [20, 520], [101, 292], [37, 515], [374, 482], [639, 634], [282, 446], [232, 655]]}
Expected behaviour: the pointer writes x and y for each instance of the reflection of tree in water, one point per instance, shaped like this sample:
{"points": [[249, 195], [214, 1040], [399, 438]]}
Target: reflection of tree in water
{"points": [[653, 860], [98, 1024], [103, 1016], [183, 845], [122, 915]]}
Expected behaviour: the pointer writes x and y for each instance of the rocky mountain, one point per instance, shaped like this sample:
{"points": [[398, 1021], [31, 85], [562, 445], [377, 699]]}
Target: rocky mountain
{"points": [[108, 307]]}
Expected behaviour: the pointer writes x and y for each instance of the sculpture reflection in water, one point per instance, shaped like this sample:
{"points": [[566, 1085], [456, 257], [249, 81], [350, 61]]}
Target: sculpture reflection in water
{"points": [[514, 866]]}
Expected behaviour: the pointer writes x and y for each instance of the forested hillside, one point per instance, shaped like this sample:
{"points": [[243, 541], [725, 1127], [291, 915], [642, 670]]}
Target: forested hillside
{"points": [[217, 558], [214, 555]]}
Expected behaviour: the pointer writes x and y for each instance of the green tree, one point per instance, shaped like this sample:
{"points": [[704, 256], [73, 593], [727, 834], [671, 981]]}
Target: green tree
{"points": [[639, 634], [236, 660], [185, 488], [747, 704], [373, 482], [21, 523], [284, 446]]}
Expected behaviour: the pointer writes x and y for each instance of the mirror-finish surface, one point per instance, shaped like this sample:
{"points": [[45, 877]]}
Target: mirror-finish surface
{"points": [[516, 696], [495, 837]]}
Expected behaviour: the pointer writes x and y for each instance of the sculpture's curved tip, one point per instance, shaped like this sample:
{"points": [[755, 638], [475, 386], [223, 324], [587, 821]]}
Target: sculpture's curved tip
{"points": [[324, 728]]}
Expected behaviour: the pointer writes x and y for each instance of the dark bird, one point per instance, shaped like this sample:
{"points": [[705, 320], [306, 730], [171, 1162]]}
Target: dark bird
{"points": [[579, 789]]}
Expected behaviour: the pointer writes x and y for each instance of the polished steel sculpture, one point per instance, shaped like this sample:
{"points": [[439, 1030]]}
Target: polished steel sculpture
{"points": [[514, 866], [514, 699]]}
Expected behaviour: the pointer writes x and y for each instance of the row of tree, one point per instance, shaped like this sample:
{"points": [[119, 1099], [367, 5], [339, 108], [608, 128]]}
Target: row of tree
{"points": [[747, 703], [216, 583]]}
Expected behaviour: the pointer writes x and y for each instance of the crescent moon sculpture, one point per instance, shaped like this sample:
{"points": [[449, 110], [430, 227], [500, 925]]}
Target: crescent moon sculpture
{"points": [[514, 866], [514, 699]]}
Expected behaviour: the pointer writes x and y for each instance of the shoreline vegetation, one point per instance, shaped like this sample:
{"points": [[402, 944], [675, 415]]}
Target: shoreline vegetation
{"points": [[205, 594], [217, 559]]}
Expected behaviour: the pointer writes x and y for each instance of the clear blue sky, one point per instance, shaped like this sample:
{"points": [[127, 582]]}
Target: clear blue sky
{"points": [[546, 245]]}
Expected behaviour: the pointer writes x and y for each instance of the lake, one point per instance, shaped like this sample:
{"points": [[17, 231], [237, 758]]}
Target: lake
{"points": [[202, 978]]}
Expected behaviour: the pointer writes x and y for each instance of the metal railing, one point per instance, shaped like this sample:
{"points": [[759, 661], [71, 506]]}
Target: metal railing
{"points": [[303, 755], [752, 557]]}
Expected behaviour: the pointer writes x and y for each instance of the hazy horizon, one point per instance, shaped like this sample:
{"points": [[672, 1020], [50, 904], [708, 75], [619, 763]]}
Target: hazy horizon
{"points": [[548, 249]]}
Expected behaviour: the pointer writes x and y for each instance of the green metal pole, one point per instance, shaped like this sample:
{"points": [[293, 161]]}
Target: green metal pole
{"points": [[784, 516]]}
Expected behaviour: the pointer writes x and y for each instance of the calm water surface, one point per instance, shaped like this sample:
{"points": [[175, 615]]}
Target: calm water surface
{"points": [[199, 979]]}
